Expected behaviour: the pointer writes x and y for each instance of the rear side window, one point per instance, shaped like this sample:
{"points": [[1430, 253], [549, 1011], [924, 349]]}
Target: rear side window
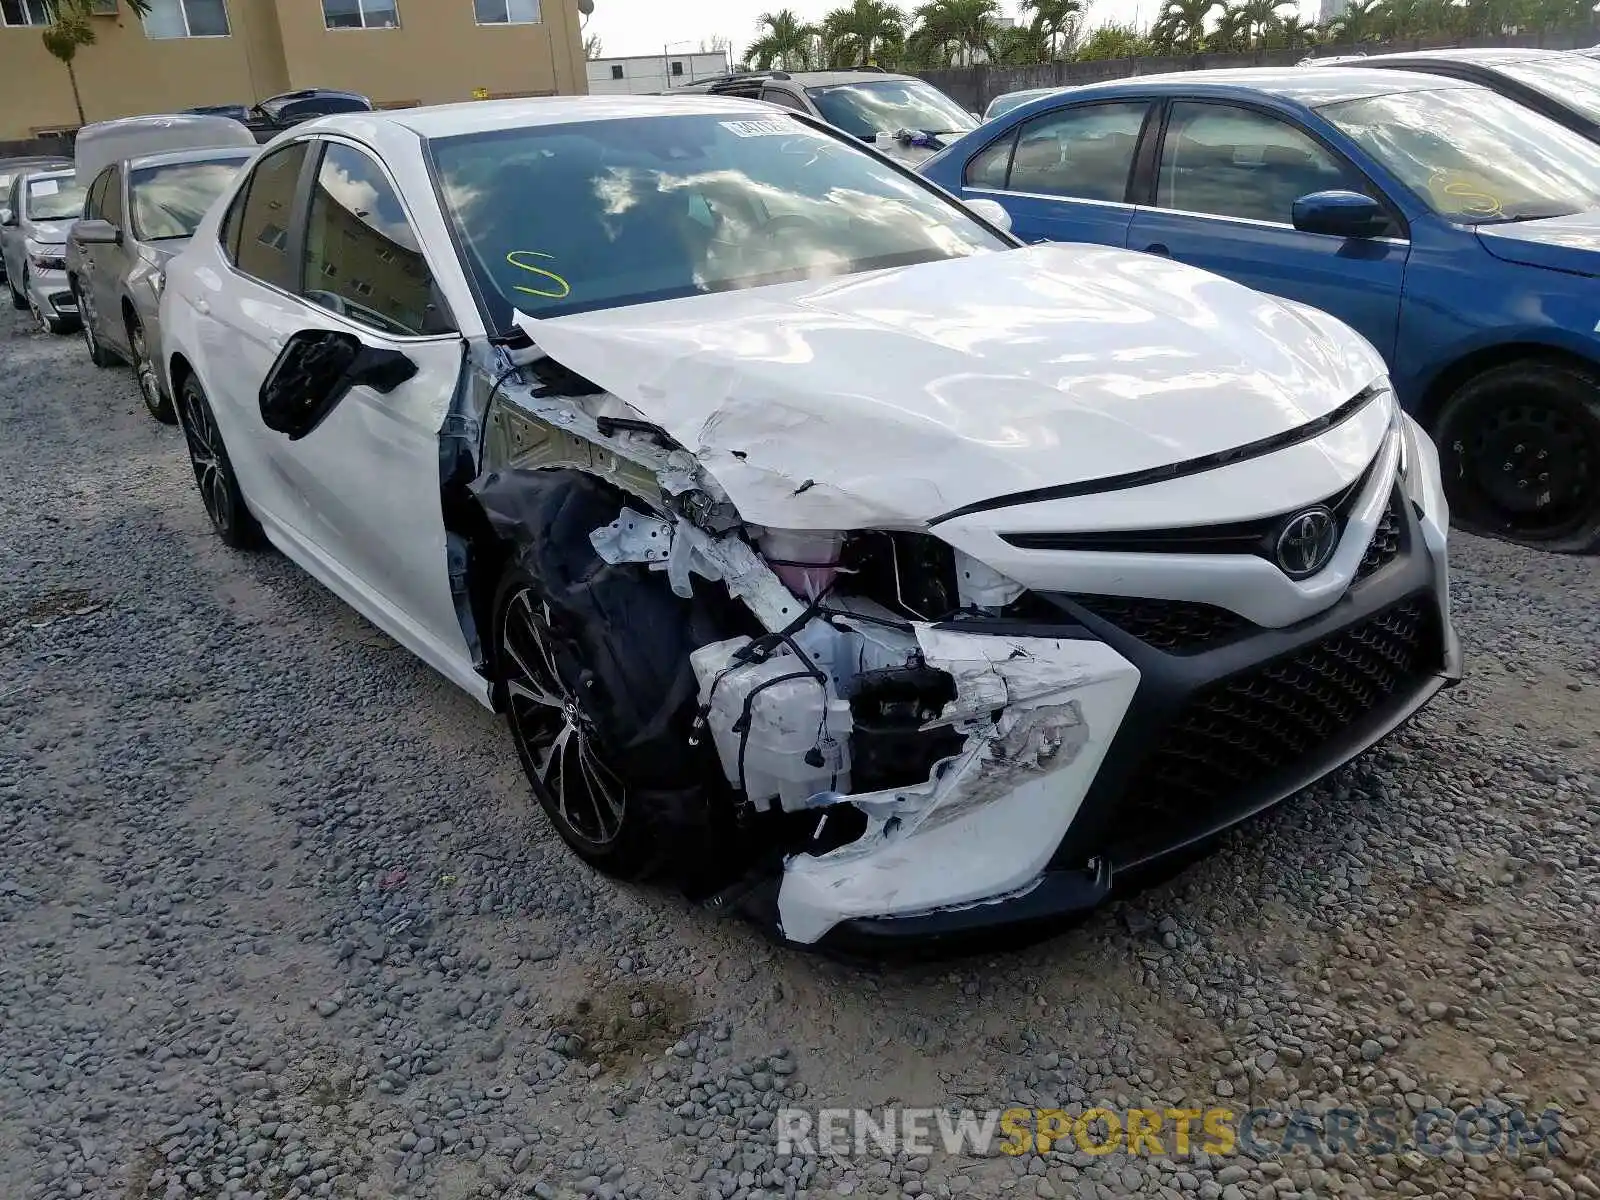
{"points": [[263, 234], [1085, 153], [362, 256]]}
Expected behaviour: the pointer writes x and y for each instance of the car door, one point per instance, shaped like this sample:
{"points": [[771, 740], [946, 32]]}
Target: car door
{"points": [[360, 483], [81, 255], [1222, 196], [111, 264], [1064, 175]]}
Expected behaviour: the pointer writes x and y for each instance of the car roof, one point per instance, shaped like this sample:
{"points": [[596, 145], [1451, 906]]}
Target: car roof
{"points": [[1487, 56], [484, 116], [1297, 84], [37, 161], [51, 173], [203, 154], [841, 78]]}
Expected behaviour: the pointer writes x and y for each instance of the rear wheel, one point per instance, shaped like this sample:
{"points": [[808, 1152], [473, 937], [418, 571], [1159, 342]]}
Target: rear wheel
{"points": [[18, 300], [213, 471], [1519, 446], [155, 399]]}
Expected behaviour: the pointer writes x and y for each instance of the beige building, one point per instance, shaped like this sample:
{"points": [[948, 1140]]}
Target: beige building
{"points": [[191, 52]]}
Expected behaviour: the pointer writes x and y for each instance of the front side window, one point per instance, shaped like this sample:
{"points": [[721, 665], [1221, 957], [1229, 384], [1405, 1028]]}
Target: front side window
{"points": [[506, 12], [169, 200], [1234, 162], [54, 199], [264, 221], [94, 206], [362, 256], [569, 218], [1474, 156], [186, 18], [24, 12], [989, 167], [111, 202], [865, 110], [360, 14], [1085, 153]]}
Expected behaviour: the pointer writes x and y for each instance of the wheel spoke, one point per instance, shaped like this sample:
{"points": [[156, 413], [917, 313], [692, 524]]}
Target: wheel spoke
{"points": [[602, 785]]}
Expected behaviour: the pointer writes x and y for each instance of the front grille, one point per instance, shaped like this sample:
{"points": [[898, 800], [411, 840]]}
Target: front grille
{"points": [[1239, 732], [1176, 626], [1385, 544]]}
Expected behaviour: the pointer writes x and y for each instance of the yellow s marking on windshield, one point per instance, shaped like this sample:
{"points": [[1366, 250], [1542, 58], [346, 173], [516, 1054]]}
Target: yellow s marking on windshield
{"points": [[1459, 185], [556, 280]]}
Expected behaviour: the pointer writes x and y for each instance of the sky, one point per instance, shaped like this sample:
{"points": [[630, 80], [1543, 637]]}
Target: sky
{"points": [[649, 26]]}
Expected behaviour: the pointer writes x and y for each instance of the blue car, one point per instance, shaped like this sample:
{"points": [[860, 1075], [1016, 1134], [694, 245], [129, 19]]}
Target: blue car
{"points": [[1458, 231]]}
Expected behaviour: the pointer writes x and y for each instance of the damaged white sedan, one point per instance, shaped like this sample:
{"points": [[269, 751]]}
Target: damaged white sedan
{"points": [[823, 548]]}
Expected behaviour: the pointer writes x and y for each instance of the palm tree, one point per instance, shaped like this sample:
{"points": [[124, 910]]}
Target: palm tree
{"points": [[1182, 23], [70, 28], [1019, 46], [864, 33], [1114, 41], [786, 41], [1057, 21], [1259, 16], [1358, 22], [1291, 32], [957, 29]]}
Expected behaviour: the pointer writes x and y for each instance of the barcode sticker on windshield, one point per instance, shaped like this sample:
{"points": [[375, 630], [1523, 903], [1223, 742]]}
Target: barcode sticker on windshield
{"points": [[45, 187], [782, 128]]}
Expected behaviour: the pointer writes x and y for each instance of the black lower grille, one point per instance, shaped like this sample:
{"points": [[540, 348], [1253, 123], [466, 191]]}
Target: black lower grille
{"points": [[1241, 731], [1177, 626], [1385, 543]]}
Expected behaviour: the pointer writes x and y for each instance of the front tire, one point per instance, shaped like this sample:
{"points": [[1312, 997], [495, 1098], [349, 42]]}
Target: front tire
{"points": [[18, 300], [592, 663], [1519, 446], [159, 404], [213, 470]]}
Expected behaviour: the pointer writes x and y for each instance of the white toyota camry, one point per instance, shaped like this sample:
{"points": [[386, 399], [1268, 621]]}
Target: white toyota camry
{"points": [[823, 548]]}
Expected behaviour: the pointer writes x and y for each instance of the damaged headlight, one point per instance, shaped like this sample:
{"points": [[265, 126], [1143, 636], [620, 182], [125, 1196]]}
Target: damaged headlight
{"points": [[51, 259], [158, 280]]}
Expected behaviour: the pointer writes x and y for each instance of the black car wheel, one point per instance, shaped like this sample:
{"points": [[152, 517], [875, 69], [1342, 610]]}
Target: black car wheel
{"points": [[18, 300], [591, 663], [1519, 446], [213, 472], [98, 354], [149, 382]]}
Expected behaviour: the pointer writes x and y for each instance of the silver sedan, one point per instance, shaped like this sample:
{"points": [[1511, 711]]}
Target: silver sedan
{"points": [[33, 237], [140, 212]]}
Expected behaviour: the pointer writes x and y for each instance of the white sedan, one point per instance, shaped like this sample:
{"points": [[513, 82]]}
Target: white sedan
{"points": [[824, 549]]}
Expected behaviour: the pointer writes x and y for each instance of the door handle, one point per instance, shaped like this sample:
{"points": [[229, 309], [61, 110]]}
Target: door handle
{"points": [[202, 307], [1158, 248]]}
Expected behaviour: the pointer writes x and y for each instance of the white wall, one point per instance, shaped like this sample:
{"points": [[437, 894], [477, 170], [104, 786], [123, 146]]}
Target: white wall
{"points": [[652, 73]]}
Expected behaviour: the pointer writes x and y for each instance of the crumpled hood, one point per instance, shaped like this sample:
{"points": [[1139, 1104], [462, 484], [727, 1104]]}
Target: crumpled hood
{"points": [[48, 233], [888, 398], [1570, 243]]}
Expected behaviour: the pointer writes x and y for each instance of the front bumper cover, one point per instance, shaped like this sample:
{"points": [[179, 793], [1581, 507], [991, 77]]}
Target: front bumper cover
{"points": [[1393, 624]]}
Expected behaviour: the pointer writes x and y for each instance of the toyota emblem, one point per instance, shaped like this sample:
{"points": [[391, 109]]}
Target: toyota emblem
{"points": [[1306, 542]]}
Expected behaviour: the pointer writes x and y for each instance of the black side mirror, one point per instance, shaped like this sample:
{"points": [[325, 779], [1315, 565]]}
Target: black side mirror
{"points": [[8, 218], [316, 369], [1341, 214]]}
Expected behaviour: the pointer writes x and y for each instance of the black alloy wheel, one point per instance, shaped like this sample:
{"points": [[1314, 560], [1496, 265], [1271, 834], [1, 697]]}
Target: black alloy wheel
{"points": [[213, 471], [1519, 447]]}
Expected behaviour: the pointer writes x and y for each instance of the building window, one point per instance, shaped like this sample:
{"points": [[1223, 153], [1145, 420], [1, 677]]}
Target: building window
{"points": [[360, 14], [616, 70], [506, 12], [24, 12], [186, 18], [677, 68]]}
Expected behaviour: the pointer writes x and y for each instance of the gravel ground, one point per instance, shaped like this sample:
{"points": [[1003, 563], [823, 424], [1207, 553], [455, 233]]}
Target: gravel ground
{"points": [[278, 918]]}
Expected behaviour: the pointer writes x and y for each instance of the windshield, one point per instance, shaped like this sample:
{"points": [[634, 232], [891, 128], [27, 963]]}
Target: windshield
{"points": [[864, 110], [55, 199], [169, 200], [1474, 156], [1569, 79], [568, 218]]}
